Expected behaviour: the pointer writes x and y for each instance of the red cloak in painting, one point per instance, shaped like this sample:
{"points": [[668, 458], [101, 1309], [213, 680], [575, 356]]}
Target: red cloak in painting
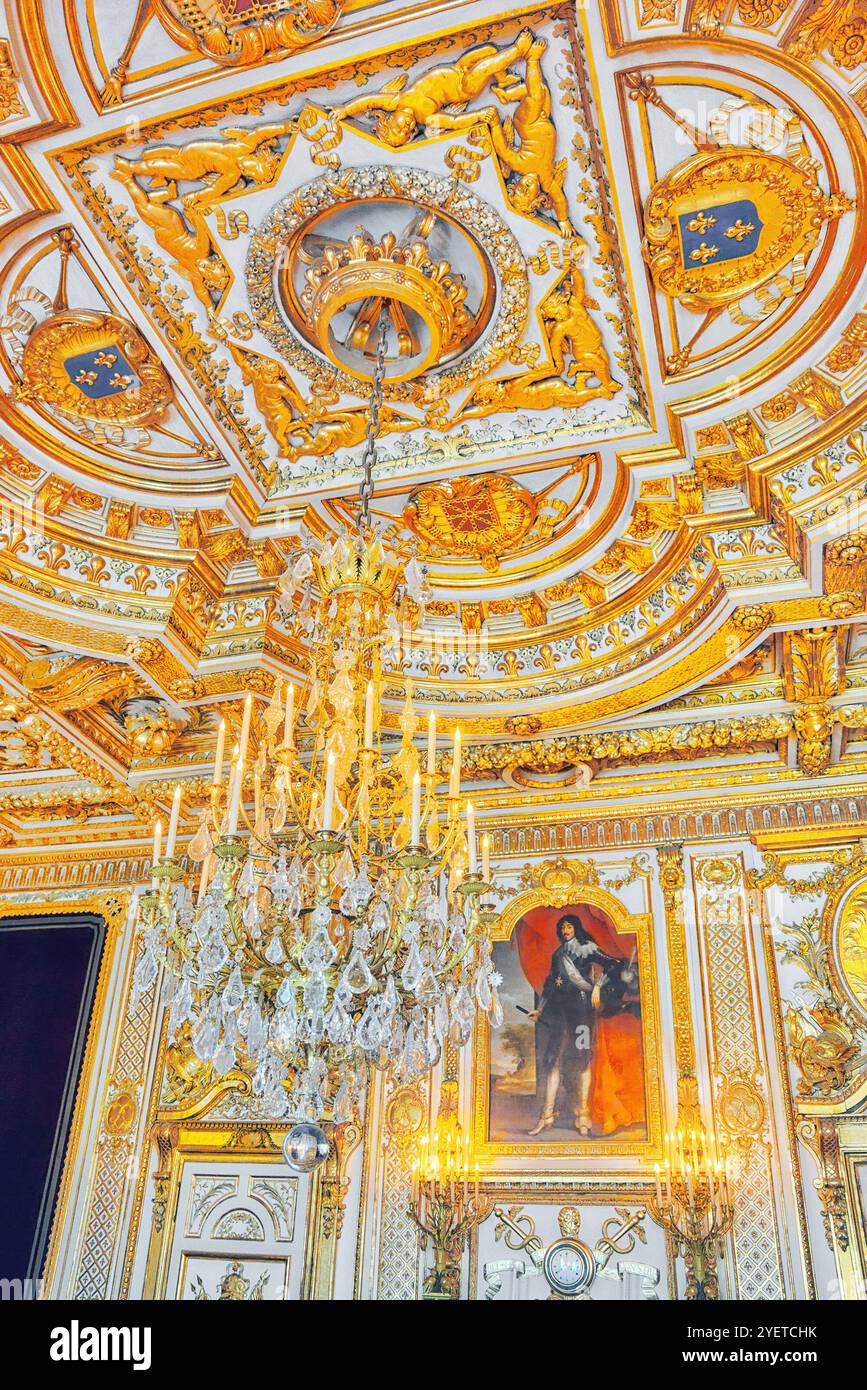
{"points": [[617, 1090]]}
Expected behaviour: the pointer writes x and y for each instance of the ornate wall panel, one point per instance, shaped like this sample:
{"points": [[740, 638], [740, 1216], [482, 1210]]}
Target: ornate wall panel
{"points": [[812, 905], [110, 1118], [738, 1067]]}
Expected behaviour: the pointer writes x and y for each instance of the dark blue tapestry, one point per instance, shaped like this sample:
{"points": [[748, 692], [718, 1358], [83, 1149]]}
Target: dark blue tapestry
{"points": [[48, 972]]}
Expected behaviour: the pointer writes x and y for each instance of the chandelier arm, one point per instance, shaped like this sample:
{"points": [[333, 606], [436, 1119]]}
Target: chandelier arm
{"points": [[458, 956], [299, 813], [452, 833], [391, 946]]}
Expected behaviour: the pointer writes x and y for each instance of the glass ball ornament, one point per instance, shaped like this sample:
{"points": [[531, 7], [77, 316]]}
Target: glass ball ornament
{"points": [[305, 1147]]}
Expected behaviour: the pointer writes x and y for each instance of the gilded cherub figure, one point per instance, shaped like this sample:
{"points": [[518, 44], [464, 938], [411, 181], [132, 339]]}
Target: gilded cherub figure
{"points": [[574, 330], [401, 111], [276, 395], [529, 392], [534, 160], [225, 166], [189, 243]]}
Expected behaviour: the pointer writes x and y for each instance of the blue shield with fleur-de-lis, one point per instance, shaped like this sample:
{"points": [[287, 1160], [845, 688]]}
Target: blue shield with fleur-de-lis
{"points": [[726, 232], [100, 372]]}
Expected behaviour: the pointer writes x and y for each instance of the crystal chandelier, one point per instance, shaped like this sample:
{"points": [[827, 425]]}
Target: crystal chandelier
{"points": [[341, 926]]}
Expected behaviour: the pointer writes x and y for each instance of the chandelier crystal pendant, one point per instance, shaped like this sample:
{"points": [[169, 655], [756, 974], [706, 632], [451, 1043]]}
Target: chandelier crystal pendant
{"points": [[343, 927]]}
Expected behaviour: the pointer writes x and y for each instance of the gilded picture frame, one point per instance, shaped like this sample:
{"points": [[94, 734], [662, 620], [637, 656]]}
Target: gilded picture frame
{"points": [[564, 884]]}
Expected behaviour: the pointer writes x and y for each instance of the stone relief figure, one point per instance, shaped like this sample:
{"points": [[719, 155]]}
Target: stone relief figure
{"points": [[401, 112]]}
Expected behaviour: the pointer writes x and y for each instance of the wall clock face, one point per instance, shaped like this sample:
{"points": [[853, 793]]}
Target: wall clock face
{"points": [[569, 1267]]}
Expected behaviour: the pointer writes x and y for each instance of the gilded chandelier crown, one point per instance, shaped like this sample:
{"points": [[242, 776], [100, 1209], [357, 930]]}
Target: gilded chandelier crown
{"points": [[361, 564], [424, 298]]}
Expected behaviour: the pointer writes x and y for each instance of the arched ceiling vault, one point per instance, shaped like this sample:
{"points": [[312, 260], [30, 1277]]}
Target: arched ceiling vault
{"points": [[622, 421]]}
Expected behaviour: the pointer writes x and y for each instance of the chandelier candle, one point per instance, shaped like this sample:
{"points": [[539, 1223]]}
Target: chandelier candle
{"points": [[236, 783], [173, 823], [328, 804], [204, 877], [158, 835], [415, 831], [471, 838], [220, 753], [455, 778], [289, 717], [245, 728]]}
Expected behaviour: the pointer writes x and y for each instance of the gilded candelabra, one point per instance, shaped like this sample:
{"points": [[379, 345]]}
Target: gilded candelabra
{"points": [[694, 1205], [446, 1205]]}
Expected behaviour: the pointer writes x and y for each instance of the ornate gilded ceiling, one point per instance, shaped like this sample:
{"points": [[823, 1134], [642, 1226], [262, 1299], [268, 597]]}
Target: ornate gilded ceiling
{"points": [[618, 256]]}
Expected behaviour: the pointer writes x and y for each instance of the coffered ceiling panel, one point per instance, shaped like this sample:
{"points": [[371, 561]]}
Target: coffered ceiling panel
{"points": [[614, 257]]}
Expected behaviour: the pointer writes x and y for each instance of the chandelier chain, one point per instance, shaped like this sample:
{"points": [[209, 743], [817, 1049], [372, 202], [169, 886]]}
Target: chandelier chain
{"points": [[369, 456]]}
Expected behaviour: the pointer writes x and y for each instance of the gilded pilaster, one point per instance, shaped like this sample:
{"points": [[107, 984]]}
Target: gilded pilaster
{"points": [[741, 1109], [821, 1137], [669, 859], [331, 1185], [164, 1138]]}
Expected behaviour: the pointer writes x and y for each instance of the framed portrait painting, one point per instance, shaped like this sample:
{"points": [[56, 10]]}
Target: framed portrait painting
{"points": [[574, 1067]]}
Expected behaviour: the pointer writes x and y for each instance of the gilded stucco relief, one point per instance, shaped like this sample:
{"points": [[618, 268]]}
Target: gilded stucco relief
{"points": [[618, 254]]}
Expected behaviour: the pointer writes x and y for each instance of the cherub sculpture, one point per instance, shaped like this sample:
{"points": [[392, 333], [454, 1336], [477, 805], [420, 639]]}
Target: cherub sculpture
{"points": [[574, 330], [277, 397], [534, 160], [401, 111], [225, 166], [189, 243]]}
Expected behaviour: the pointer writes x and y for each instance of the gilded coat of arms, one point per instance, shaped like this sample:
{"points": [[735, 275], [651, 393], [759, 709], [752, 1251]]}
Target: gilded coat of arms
{"points": [[723, 224], [95, 366], [482, 517], [247, 31]]}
